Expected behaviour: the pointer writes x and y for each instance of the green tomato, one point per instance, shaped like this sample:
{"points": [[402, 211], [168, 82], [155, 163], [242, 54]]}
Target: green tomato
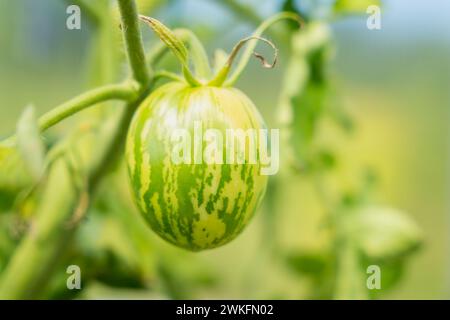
{"points": [[195, 197]]}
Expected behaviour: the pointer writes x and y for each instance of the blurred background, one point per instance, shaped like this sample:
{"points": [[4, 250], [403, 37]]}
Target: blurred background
{"points": [[393, 82]]}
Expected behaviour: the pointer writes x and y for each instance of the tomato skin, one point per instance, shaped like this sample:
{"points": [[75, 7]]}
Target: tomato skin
{"points": [[194, 206]]}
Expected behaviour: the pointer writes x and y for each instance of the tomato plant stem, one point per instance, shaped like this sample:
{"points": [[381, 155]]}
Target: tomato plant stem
{"points": [[133, 40], [126, 92], [42, 248], [109, 92]]}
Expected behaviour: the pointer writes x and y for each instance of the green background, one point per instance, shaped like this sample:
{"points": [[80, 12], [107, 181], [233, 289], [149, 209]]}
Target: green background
{"points": [[394, 82]]}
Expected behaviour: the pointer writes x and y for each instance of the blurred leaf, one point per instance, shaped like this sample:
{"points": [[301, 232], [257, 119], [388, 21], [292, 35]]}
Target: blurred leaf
{"points": [[382, 233], [13, 176], [354, 6], [350, 277], [30, 144], [290, 6], [306, 90], [391, 273], [319, 268], [308, 263], [307, 109], [322, 160], [338, 114], [7, 242]]}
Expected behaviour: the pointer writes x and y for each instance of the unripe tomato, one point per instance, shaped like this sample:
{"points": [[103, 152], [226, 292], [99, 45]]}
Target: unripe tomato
{"points": [[193, 205]]}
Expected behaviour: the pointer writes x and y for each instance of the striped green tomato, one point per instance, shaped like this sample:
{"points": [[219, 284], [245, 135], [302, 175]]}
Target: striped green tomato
{"points": [[195, 206]]}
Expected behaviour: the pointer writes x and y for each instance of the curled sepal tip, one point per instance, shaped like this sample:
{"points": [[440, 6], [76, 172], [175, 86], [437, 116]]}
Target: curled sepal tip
{"points": [[249, 49], [264, 62], [224, 71]]}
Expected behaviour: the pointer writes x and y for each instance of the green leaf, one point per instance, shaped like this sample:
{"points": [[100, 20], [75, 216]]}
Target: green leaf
{"points": [[308, 263], [391, 273], [307, 108], [289, 5], [305, 89], [354, 6], [324, 160], [382, 233], [30, 144], [318, 266], [338, 112]]}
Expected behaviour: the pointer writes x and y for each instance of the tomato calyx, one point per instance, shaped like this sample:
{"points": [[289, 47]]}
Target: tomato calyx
{"points": [[197, 54]]}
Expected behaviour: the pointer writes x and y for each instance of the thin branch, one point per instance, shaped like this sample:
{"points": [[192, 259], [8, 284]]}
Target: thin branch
{"points": [[133, 40], [109, 92], [85, 100]]}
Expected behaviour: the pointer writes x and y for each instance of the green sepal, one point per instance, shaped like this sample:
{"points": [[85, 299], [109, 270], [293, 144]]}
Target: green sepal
{"points": [[175, 45], [258, 32]]}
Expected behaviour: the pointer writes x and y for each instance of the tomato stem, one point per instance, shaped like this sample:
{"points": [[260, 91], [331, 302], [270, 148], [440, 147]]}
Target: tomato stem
{"points": [[133, 41], [85, 100]]}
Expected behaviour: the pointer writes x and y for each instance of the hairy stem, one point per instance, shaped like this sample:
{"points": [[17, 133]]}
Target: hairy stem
{"points": [[85, 100], [109, 92], [133, 40]]}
